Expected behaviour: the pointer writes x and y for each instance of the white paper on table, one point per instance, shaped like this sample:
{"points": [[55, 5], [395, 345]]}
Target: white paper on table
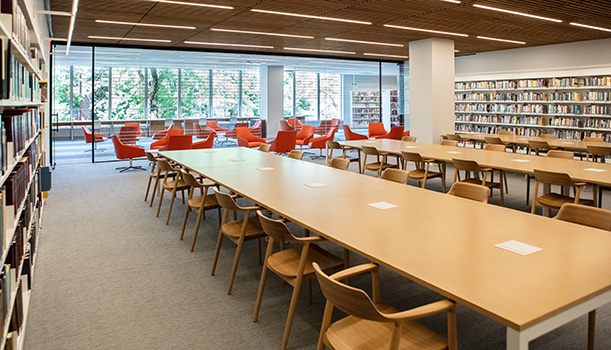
{"points": [[211, 151], [237, 160], [518, 247], [596, 170], [520, 160], [316, 184], [410, 147], [265, 169], [382, 205], [454, 152]]}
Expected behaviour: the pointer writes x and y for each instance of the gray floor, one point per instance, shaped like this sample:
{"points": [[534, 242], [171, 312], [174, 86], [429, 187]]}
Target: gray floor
{"points": [[109, 275]]}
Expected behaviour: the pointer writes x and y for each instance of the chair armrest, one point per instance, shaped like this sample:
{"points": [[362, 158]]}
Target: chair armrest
{"points": [[352, 271], [255, 207], [311, 239], [421, 311], [581, 184]]}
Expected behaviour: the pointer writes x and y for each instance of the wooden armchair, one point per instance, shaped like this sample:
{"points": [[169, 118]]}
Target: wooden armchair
{"points": [[409, 138], [339, 163], [552, 200], [296, 154], [334, 145], [423, 172], [395, 175], [177, 184], [381, 160], [372, 325], [152, 158], [264, 147], [471, 166], [471, 191]]}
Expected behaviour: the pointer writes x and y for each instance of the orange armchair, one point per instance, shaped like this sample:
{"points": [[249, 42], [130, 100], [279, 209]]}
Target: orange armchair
{"points": [[201, 133], [89, 136], [163, 133], [376, 129], [207, 143], [164, 141], [295, 124], [395, 133], [211, 124], [127, 152], [128, 135], [231, 134], [139, 132], [285, 141], [305, 135], [351, 135], [256, 128], [178, 142], [321, 142], [323, 128], [246, 139], [284, 126], [406, 133]]}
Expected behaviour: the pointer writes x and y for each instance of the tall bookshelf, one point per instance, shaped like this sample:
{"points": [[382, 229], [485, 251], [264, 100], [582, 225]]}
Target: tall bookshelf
{"points": [[365, 108], [570, 107], [22, 153]]}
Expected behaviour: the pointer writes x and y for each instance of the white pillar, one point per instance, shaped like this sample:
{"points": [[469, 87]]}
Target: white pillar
{"points": [[272, 97], [431, 89]]}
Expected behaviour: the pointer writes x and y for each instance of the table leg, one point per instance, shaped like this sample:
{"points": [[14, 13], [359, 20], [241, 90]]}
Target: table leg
{"points": [[516, 340]]}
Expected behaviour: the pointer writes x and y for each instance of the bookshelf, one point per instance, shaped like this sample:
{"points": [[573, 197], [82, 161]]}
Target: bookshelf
{"points": [[22, 153], [365, 108], [570, 107]]}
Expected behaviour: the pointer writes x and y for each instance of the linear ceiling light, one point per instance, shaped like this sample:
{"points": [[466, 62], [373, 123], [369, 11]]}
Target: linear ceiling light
{"points": [[145, 24], [318, 50], [591, 27], [193, 4], [504, 40], [227, 44], [129, 39], [309, 16], [517, 13], [425, 30], [71, 27], [261, 33], [383, 55], [454, 1], [364, 42]]}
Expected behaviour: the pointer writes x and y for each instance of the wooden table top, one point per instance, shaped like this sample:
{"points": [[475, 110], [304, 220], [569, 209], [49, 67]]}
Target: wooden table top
{"points": [[523, 141], [590, 172], [442, 242]]}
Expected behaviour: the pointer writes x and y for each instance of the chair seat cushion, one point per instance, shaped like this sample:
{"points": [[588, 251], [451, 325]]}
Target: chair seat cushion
{"points": [[253, 230], [555, 200], [181, 185], [211, 202], [357, 334], [376, 166], [419, 174], [286, 262], [479, 182]]}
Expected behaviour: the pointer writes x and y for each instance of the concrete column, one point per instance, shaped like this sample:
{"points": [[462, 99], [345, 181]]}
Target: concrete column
{"points": [[347, 82], [431, 89], [272, 97]]}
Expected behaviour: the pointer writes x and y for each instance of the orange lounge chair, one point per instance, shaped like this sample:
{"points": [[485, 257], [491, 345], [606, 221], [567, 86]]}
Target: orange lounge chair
{"points": [[139, 132], [211, 124], [246, 139], [351, 135], [201, 133], [376, 129], [178, 142], [305, 135], [160, 143], [285, 142], [395, 133], [89, 136], [128, 135], [256, 128], [321, 142], [207, 143], [127, 152], [295, 124], [284, 126], [231, 134]]}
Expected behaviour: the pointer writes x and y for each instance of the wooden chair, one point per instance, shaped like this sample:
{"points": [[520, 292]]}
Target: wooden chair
{"points": [[372, 325], [552, 154], [237, 230], [449, 143], [153, 174], [379, 165], [334, 145], [498, 148], [549, 136], [593, 139], [551, 200], [493, 140], [292, 265], [178, 184], [422, 172], [469, 166], [395, 175], [457, 138], [205, 201], [598, 153], [592, 217], [470, 191], [339, 163], [409, 138], [296, 154], [264, 147], [506, 133], [539, 146]]}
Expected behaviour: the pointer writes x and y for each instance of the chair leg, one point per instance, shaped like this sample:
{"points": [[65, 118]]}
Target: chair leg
{"points": [[171, 205], [291, 315], [148, 188], [326, 321], [236, 262], [216, 252], [160, 201], [501, 189], [259, 249], [504, 174], [200, 213], [154, 191], [270, 248], [528, 189], [184, 222], [591, 329]]}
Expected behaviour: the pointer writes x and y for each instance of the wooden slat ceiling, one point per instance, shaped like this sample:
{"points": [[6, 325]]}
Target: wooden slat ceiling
{"points": [[428, 14]]}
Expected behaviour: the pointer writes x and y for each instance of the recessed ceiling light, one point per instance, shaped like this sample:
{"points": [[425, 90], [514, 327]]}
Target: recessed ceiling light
{"points": [[309, 16], [227, 44], [591, 27], [129, 39], [318, 50], [425, 30], [193, 4], [261, 33], [454, 1], [145, 24], [383, 55], [504, 40], [364, 42], [517, 13]]}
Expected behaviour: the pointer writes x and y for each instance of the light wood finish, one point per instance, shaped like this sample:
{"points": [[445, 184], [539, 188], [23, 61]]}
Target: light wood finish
{"points": [[549, 136], [178, 184], [205, 201], [506, 133], [538, 146], [153, 173], [498, 148], [423, 172], [497, 141], [381, 160], [598, 152], [552, 200], [457, 138], [511, 139], [293, 265], [339, 163], [237, 230], [593, 139], [333, 145], [470, 166], [554, 153], [265, 147], [396, 175], [372, 325], [409, 138], [470, 191], [296, 154], [449, 143]]}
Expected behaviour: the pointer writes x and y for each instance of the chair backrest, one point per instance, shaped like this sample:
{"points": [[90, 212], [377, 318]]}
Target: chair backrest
{"points": [[495, 147], [466, 165], [226, 201], [264, 147], [506, 133], [538, 144], [189, 179], [554, 153], [376, 129], [207, 143], [128, 134], [244, 133], [553, 178], [285, 141], [549, 136], [276, 229], [454, 137], [470, 191], [296, 154], [335, 122], [150, 157], [599, 150], [593, 139], [409, 138], [87, 133], [585, 215], [137, 126], [333, 145], [395, 133], [395, 175], [412, 157], [493, 140], [284, 126], [212, 124], [350, 135], [306, 131], [449, 143], [370, 150], [164, 166], [179, 142], [339, 163]]}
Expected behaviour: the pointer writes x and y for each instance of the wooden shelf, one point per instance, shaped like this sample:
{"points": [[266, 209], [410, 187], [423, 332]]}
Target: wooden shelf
{"points": [[537, 102], [16, 160], [10, 103]]}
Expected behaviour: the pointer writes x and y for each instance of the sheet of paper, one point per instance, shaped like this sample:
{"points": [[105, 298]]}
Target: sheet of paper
{"points": [[382, 205], [518, 247], [237, 160], [410, 147], [316, 184], [520, 160], [595, 170], [265, 169], [210, 151], [454, 152]]}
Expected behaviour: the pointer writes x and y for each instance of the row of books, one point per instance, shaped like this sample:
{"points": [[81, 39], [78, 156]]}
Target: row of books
{"points": [[16, 187], [485, 85], [462, 128], [501, 108], [20, 30], [568, 82], [365, 110], [16, 82], [586, 96], [20, 125], [565, 109], [507, 119], [581, 123]]}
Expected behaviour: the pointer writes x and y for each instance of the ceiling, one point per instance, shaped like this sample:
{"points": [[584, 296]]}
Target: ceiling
{"points": [[426, 14]]}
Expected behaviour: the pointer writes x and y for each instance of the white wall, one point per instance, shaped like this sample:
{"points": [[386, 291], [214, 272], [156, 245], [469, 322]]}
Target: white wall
{"points": [[272, 97]]}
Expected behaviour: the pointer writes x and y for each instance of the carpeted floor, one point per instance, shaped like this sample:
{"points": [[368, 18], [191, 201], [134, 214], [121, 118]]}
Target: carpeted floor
{"points": [[110, 275]]}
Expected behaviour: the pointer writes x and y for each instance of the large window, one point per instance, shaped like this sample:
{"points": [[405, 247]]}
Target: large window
{"points": [[162, 93], [330, 96], [195, 92], [251, 93], [127, 97], [306, 94], [225, 93]]}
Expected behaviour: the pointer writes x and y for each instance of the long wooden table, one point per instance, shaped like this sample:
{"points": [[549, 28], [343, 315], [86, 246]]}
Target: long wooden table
{"points": [[443, 242]]}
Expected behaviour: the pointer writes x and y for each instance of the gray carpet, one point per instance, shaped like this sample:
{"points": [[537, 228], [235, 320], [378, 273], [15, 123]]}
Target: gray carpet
{"points": [[109, 275]]}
